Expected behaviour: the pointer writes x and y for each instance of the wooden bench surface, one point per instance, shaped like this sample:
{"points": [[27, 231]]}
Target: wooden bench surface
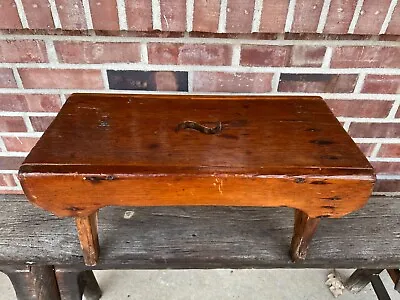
{"points": [[143, 150], [202, 237]]}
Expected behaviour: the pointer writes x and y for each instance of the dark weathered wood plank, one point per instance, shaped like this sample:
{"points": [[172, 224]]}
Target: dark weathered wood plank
{"points": [[202, 237]]}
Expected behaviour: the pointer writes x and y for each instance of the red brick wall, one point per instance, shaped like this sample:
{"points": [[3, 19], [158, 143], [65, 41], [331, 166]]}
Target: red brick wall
{"points": [[348, 52]]}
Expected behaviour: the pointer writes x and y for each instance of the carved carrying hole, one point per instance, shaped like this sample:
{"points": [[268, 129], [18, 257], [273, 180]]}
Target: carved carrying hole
{"points": [[198, 127]]}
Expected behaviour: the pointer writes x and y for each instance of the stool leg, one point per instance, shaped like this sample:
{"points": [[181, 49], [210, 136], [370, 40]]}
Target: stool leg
{"points": [[87, 231], [304, 229]]}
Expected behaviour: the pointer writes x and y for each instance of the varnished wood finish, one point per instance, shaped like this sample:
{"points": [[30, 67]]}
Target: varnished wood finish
{"points": [[147, 150], [87, 232], [124, 150], [304, 229]]}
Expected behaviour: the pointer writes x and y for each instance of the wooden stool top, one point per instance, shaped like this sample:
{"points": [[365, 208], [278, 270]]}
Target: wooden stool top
{"points": [[148, 150]]}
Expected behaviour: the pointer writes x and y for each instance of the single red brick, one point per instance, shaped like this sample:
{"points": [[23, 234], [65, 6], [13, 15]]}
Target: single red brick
{"points": [[398, 113], [365, 57], [239, 16], [273, 16], [206, 15], [306, 15], [394, 24], [190, 54], [7, 180], [29, 102], [9, 18], [366, 148], [12, 124], [232, 82], [381, 84], [371, 17], [173, 15], [381, 167], [41, 123], [38, 14], [307, 56], [166, 81], [61, 79], [104, 14], [387, 185], [10, 162], [389, 150], [139, 15], [317, 83], [19, 144], [7, 79], [97, 53], [72, 14], [360, 108], [339, 16], [268, 56], [22, 51], [374, 130]]}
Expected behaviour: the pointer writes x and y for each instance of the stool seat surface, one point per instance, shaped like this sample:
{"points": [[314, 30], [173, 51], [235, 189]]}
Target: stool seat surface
{"points": [[139, 134], [150, 150]]}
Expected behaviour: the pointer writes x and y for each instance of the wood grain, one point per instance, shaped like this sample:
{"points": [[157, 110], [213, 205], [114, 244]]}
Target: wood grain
{"points": [[201, 237], [87, 232], [125, 150], [304, 229]]}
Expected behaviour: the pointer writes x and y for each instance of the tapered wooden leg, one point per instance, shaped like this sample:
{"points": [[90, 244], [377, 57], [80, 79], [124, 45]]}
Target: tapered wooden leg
{"points": [[87, 231], [304, 229]]}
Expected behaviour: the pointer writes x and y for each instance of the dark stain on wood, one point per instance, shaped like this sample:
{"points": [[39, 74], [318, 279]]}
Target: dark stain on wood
{"points": [[332, 157], [229, 136], [312, 130], [321, 142], [153, 146], [98, 179], [74, 208], [319, 182], [300, 180], [334, 198], [328, 206]]}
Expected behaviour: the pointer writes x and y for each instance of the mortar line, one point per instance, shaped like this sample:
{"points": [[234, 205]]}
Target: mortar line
{"points": [[257, 12], [189, 15], [21, 13], [54, 13], [156, 12], [123, 24], [222, 16], [356, 15], [17, 78], [290, 15], [323, 16], [88, 14], [388, 17]]}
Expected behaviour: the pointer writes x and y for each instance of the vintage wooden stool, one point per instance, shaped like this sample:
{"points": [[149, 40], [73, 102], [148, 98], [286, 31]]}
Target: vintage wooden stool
{"points": [[152, 150]]}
